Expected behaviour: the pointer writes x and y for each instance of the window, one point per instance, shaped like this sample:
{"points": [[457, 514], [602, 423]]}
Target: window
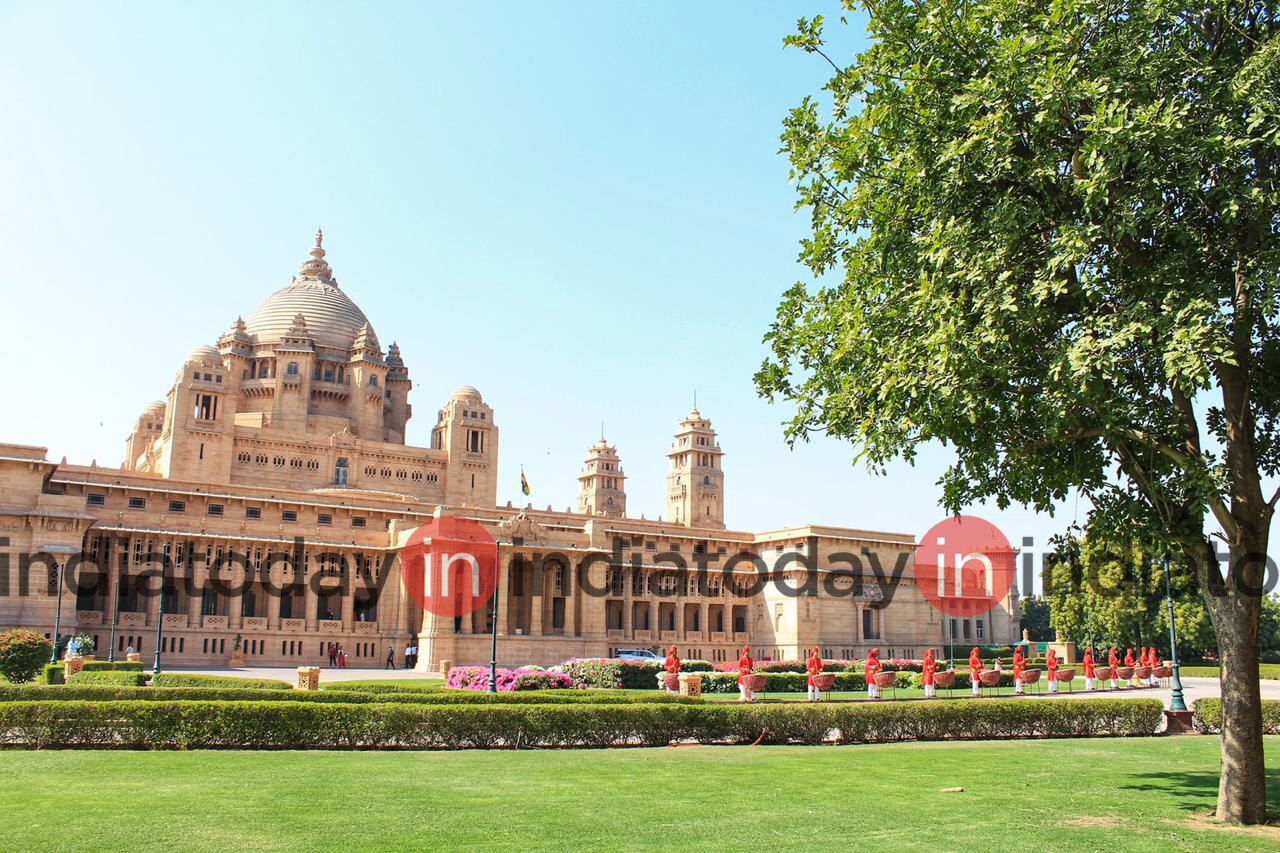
{"points": [[475, 441], [357, 521], [965, 628], [252, 512], [340, 472], [215, 509], [292, 369], [981, 628], [137, 503], [288, 515], [324, 518], [96, 500], [206, 407], [373, 381], [244, 458]]}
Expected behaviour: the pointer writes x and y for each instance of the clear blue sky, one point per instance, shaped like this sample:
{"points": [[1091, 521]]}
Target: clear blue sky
{"points": [[577, 208]]}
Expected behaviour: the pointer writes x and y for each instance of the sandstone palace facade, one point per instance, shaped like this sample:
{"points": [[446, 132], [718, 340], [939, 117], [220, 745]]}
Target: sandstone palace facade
{"points": [[269, 493]]}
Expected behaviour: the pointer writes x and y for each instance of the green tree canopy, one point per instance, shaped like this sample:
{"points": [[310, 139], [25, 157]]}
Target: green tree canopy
{"points": [[1048, 237]]}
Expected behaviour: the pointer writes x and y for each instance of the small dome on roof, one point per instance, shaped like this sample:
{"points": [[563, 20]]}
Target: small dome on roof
{"points": [[154, 406], [466, 392], [205, 353]]}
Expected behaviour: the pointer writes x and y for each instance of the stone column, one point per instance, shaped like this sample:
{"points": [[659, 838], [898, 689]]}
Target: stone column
{"points": [[349, 600], [570, 601], [704, 616], [537, 600], [504, 590], [311, 604], [627, 580]]}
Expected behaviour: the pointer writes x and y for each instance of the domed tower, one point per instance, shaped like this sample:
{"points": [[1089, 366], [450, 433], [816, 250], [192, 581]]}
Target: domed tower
{"points": [[695, 480], [466, 431], [600, 485], [142, 442], [199, 421]]}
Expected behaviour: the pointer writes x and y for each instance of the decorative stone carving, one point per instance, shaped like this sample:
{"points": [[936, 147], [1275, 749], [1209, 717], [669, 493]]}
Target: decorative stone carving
{"points": [[308, 678], [524, 527]]}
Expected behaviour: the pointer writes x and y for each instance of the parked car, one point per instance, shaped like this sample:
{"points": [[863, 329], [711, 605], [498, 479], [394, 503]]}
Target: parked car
{"points": [[646, 655]]}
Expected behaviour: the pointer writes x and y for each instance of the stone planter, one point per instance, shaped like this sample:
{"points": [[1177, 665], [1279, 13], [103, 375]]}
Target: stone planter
{"points": [[308, 678], [235, 660], [690, 684], [71, 665], [133, 657]]}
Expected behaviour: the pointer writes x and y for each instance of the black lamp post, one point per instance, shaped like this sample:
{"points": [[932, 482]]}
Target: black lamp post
{"points": [[57, 618], [115, 614], [155, 668], [1176, 701], [493, 638]]}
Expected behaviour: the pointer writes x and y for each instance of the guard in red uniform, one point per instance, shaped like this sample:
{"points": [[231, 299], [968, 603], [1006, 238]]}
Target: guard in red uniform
{"points": [[1051, 670], [1089, 669], [813, 666], [1112, 662], [672, 665], [1154, 662], [869, 673], [1019, 664], [927, 670], [975, 671], [1129, 662], [745, 666]]}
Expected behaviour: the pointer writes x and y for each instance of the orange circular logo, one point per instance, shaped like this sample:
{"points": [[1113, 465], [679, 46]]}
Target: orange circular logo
{"points": [[964, 566], [449, 566]]}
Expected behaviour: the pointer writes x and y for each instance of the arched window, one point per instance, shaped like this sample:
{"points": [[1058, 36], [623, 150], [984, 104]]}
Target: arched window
{"points": [[292, 369], [340, 472]]}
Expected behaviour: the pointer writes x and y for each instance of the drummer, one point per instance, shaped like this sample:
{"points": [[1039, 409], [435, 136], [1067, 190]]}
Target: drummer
{"points": [[869, 673], [1089, 669], [975, 671], [813, 667], [745, 666], [1113, 662], [927, 669], [1019, 664], [1051, 669], [672, 665]]}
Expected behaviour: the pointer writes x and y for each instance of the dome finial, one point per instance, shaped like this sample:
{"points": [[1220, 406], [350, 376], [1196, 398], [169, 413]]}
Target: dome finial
{"points": [[317, 267]]}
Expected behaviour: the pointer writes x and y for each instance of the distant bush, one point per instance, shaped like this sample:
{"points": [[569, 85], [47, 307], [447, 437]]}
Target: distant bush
{"points": [[112, 678], [188, 679], [78, 692], [22, 653], [55, 673], [1207, 716], [321, 725]]}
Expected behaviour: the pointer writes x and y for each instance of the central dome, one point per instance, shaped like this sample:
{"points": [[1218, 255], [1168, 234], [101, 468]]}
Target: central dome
{"points": [[333, 320]]}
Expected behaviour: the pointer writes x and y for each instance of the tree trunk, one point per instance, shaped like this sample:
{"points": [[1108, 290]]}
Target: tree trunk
{"points": [[1242, 790]]}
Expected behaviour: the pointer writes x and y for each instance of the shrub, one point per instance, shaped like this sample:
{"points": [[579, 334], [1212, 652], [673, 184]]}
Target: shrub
{"points": [[525, 678], [54, 673], [85, 644], [187, 679], [78, 691], [320, 725], [695, 665], [22, 653], [113, 678], [790, 682], [1207, 715]]}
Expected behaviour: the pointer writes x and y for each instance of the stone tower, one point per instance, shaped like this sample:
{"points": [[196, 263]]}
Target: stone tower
{"points": [[466, 431], [695, 481], [600, 485]]}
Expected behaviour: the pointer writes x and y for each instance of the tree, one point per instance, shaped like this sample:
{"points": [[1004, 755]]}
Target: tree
{"points": [[1035, 617], [1045, 235], [22, 653]]}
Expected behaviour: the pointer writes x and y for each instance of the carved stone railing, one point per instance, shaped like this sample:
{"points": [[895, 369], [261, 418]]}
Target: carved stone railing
{"points": [[366, 628], [667, 636], [330, 626], [613, 634], [175, 620], [218, 622], [718, 637], [254, 623], [88, 618], [133, 620], [293, 624]]}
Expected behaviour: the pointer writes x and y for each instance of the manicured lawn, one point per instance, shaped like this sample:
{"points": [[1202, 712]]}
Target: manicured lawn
{"points": [[1134, 794], [1265, 670]]}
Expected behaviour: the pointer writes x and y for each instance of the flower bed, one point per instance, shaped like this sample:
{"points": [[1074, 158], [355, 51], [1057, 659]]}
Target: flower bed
{"points": [[315, 725], [508, 680]]}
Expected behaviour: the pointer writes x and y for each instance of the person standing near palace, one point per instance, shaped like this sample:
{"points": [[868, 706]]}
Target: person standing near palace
{"points": [[813, 666], [869, 673], [745, 666], [672, 665], [1089, 669], [1113, 661], [975, 671], [1130, 663], [391, 658], [927, 669], [1051, 670], [1019, 663]]}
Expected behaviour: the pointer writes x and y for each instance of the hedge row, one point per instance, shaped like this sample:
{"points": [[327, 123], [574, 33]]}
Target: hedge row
{"points": [[78, 691], [1207, 715], [112, 678], [302, 725], [55, 673], [790, 682], [187, 679]]}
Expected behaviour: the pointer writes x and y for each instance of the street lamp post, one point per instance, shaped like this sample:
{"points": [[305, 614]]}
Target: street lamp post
{"points": [[57, 618], [493, 642], [115, 615], [155, 667], [1176, 701]]}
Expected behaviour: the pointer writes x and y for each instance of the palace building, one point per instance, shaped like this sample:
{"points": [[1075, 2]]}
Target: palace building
{"points": [[269, 492]]}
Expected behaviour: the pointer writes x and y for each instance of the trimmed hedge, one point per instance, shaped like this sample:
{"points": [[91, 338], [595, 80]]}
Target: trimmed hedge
{"points": [[303, 725], [186, 679], [95, 692], [55, 673], [1207, 716], [111, 678], [790, 682]]}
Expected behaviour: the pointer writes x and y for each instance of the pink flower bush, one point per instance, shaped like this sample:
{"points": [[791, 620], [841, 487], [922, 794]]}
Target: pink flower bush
{"points": [[477, 678]]}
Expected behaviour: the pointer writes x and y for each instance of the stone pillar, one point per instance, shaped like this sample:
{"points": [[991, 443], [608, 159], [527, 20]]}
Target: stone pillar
{"points": [[570, 601], [704, 615], [537, 599], [311, 605], [627, 580], [504, 591], [349, 600]]}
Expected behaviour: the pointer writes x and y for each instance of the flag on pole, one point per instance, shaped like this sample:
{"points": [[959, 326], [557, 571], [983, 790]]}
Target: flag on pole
{"points": [[524, 484]]}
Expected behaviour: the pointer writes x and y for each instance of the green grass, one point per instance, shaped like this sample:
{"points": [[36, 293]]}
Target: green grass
{"points": [[1269, 671], [1134, 794]]}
